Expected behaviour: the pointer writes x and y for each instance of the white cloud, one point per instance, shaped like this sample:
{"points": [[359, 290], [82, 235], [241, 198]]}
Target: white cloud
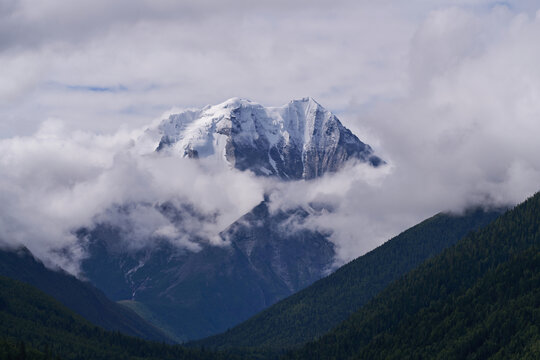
{"points": [[465, 133], [55, 182], [197, 53], [447, 92]]}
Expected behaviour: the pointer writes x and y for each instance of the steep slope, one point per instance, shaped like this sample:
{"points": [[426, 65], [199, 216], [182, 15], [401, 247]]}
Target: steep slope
{"points": [[81, 297], [30, 317], [300, 140], [197, 294], [255, 262], [478, 299], [315, 310]]}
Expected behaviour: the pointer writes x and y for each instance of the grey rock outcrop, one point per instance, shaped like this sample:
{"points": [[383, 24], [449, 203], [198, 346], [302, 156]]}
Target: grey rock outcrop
{"points": [[300, 140]]}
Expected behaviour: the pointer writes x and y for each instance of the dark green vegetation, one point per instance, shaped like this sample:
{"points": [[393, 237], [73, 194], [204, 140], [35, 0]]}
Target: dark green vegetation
{"points": [[318, 308], [18, 350], [479, 299], [38, 324], [81, 297], [143, 311], [197, 294]]}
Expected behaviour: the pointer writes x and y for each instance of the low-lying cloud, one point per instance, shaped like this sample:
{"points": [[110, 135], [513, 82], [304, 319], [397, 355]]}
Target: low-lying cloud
{"points": [[54, 183], [448, 95]]}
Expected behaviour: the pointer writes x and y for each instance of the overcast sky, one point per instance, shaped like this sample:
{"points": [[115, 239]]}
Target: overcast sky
{"points": [[448, 92]]}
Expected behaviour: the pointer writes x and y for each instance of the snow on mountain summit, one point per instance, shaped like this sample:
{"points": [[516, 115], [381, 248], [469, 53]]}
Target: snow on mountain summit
{"points": [[300, 140]]}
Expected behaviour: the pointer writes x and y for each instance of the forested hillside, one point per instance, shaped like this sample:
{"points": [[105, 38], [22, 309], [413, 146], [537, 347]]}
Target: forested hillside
{"points": [[316, 309], [81, 297], [30, 319], [479, 299]]}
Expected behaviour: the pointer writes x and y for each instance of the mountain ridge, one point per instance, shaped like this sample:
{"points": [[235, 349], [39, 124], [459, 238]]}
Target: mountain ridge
{"points": [[299, 140], [476, 300], [311, 312], [34, 325], [81, 297], [202, 293], [260, 258]]}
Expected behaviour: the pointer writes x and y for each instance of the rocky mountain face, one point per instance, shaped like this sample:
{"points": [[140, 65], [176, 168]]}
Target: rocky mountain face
{"points": [[300, 140], [191, 295], [259, 259]]}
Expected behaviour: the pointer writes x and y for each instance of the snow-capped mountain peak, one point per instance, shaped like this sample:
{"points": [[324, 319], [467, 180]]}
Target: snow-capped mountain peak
{"points": [[300, 140]]}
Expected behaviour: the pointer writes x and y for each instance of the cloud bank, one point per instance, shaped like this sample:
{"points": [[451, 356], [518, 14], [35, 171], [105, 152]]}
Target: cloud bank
{"points": [[448, 94], [55, 182]]}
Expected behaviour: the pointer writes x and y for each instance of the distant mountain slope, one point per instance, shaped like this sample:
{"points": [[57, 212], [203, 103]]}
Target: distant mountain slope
{"points": [[315, 310], [43, 324], [81, 297], [197, 294], [262, 257], [300, 140], [477, 300]]}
